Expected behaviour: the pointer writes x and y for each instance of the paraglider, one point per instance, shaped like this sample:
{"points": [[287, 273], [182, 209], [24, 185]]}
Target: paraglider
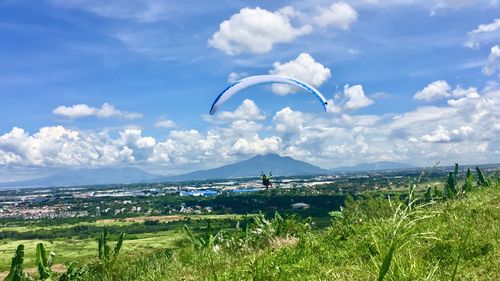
{"points": [[263, 79], [266, 180]]}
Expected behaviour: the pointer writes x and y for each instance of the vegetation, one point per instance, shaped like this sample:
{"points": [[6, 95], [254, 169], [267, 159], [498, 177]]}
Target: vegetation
{"points": [[414, 235]]}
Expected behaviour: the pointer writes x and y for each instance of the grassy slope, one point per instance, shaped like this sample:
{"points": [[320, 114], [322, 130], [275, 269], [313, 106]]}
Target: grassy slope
{"points": [[82, 249], [460, 235]]}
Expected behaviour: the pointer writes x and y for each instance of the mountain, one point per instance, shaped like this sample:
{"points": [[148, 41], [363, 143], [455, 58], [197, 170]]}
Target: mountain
{"points": [[279, 166], [88, 177], [376, 166]]}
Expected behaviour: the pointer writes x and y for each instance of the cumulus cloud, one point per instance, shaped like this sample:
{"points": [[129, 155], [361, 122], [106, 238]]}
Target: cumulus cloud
{"points": [[165, 123], [340, 15], [467, 130], [256, 145], [435, 90], [463, 96], [256, 31], [442, 135], [305, 68], [470, 92], [352, 98], [248, 110], [482, 34], [59, 146], [356, 97], [288, 121], [493, 64], [82, 110], [459, 131]]}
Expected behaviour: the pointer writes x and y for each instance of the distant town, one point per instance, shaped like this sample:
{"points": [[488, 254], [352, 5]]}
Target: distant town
{"points": [[125, 200]]}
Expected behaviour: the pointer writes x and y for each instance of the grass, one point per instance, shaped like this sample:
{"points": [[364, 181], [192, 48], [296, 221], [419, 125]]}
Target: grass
{"points": [[83, 250], [454, 240], [23, 227]]}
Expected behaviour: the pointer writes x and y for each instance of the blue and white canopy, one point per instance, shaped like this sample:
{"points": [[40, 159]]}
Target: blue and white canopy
{"points": [[263, 79]]}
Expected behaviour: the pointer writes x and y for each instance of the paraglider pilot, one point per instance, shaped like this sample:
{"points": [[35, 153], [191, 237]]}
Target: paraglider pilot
{"points": [[266, 180]]}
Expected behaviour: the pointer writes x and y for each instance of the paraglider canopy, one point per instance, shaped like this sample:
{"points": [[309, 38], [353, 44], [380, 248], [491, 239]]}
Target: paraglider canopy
{"points": [[263, 79]]}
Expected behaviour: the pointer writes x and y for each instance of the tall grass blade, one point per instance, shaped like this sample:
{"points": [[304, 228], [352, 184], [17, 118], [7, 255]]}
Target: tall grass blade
{"points": [[118, 246], [386, 263], [16, 268], [455, 270], [482, 179], [42, 262]]}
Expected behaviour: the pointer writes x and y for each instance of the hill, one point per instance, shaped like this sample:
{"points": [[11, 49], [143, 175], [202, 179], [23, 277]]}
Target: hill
{"points": [[370, 239], [88, 177], [278, 165], [376, 166]]}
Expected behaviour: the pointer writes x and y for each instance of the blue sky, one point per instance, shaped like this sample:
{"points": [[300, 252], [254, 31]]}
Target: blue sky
{"points": [[88, 83]]}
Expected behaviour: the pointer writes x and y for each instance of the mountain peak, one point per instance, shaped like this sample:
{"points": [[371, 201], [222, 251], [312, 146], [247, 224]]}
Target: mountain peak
{"points": [[269, 155], [88, 176], [278, 165]]}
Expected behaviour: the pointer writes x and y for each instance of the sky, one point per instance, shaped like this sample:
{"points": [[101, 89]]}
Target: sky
{"points": [[88, 83]]}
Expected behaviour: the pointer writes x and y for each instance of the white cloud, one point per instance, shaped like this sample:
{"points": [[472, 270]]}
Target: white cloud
{"points": [[332, 107], [58, 146], [463, 96], [256, 31], [435, 90], [482, 34], [493, 64], [340, 15], [82, 110], [248, 110], [305, 68], [463, 131], [234, 76], [75, 111], [165, 123], [351, 99], [470, 92], [484, 28], [442, 135], [288, 121], [356, 97], [256, 145]]}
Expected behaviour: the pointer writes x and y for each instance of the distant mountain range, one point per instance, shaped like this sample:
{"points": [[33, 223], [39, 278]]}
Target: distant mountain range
{"points": [[278, 165], [96, 176], [376, 166]]}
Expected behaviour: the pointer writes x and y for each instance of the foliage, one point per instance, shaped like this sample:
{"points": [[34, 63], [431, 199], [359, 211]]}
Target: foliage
{"points": [[468, 185], [73, 273], [105, 252], [206, 242], [16, 269], [482, 180], [44, 262]]}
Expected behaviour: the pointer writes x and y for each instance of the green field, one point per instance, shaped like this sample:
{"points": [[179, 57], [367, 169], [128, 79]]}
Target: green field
{"points": [[77, 249], [81, 250]]}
